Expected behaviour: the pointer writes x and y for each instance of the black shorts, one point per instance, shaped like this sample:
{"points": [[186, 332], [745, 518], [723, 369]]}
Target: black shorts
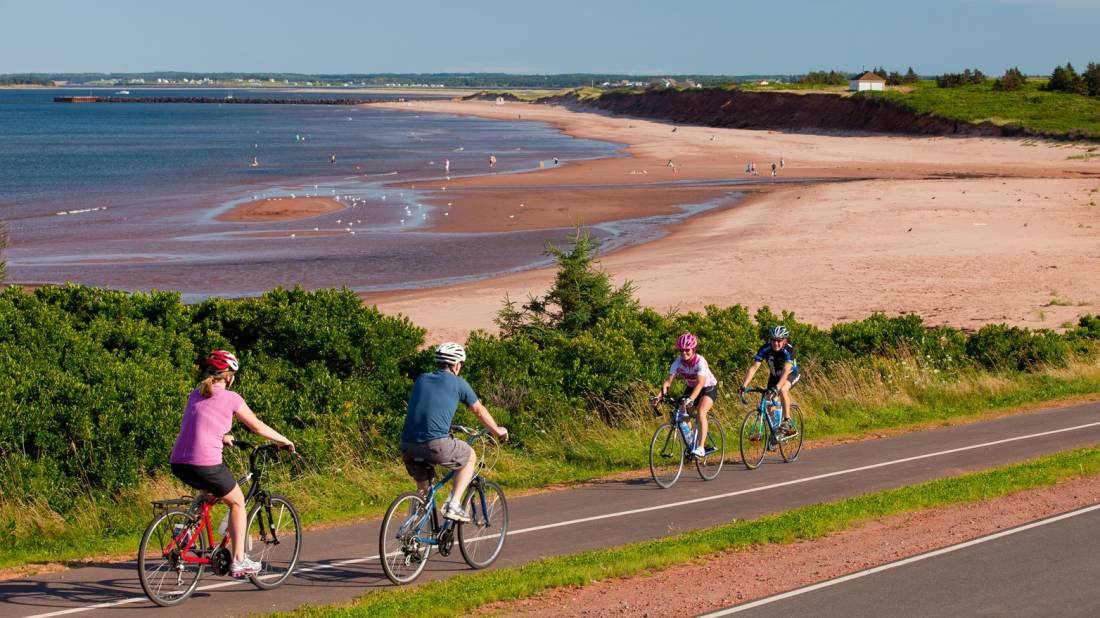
{"points": [[708, 391], [792, 378], [217, 480]]}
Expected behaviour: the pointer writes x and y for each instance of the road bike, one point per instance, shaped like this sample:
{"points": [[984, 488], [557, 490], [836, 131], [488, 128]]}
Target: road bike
{"points": [[760, 430], [673, 441], [412, 525], [178, 545]]}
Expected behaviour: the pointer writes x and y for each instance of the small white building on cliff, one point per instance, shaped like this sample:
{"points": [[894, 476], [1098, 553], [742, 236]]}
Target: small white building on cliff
{"points": [[867, 81]]}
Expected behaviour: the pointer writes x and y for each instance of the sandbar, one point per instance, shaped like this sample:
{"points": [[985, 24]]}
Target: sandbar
{"points": [[281, 209]]}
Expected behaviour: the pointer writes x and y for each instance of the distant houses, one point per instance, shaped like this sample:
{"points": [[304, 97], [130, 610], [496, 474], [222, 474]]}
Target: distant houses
{"points": [[867, 81]]}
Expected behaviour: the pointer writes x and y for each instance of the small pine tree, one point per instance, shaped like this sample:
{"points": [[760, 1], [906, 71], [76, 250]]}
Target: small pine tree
{"points": [[581, 295], [893, 79], [911, 77], [1013, 79], [1092, 79]]}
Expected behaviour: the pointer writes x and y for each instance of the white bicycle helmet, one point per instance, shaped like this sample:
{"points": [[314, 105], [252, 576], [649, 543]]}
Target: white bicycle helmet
{"points": [[450, 353], [779, 332]]}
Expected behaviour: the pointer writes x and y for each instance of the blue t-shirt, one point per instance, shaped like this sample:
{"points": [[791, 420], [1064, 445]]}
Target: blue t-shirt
{"points": [[432, 405]]}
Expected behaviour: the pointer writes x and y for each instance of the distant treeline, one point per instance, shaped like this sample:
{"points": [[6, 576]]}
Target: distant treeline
{"points": [[25, 79], [452, 80]]}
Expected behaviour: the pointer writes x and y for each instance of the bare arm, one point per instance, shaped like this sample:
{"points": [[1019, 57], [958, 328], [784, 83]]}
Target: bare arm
{"points": [[486, 419], [260, 428], [752, 372]]}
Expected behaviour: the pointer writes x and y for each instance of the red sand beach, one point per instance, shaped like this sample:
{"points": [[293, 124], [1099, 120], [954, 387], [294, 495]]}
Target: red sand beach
{"points": [[961, 231]]}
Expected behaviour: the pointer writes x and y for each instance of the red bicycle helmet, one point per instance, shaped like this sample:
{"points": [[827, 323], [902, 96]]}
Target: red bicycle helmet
{"points": [[221, 360], [686, 341]]}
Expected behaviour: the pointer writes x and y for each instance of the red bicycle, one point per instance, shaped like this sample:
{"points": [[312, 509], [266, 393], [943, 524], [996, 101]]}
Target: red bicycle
{"points": [[178, 545]]}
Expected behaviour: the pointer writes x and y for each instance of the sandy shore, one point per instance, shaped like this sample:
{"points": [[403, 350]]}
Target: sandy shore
{"points": [[961, 231], [281, 209]]}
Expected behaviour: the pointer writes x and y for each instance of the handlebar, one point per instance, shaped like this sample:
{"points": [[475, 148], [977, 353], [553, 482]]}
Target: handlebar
{"points": [[472, 434], [756, 389]]}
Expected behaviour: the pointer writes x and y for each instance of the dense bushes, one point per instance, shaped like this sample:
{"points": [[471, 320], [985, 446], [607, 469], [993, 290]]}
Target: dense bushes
{"points": [[95, 380]]}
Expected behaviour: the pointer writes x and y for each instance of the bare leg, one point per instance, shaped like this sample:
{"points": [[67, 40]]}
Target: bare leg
{"points": [[462, 479], [235, 500], [705, 404], [785, 397]]}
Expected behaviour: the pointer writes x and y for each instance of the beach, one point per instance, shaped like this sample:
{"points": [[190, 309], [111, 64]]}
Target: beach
{"points": [[961, 231]]}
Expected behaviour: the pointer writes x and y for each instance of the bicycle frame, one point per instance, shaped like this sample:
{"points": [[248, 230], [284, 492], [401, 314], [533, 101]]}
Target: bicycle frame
{"points": [[185, 540], [432, 513], [675, 409]]}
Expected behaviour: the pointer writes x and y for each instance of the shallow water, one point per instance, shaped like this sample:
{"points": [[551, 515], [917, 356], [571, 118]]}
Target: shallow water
{"points": [[126, 195]]}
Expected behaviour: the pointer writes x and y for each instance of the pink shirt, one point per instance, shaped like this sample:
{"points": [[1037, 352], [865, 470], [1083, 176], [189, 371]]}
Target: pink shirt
{"points": [[691, 374], [204, 423]]}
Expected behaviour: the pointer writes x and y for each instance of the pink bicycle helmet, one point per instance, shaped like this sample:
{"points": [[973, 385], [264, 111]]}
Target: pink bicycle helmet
{"points": [[686, 341]]}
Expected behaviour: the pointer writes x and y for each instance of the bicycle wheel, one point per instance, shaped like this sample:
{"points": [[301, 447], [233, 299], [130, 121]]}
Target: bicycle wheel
{"points": [[710, 464], [274, 540], [481, 540], [790, 446], [166, 579], [400, 541], [754, 439], [666, 455]]}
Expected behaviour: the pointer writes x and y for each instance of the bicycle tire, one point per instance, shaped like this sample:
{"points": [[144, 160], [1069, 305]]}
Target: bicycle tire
{"points": [[753, 440], [482, 538], [160, 569], [278, 552], [709, 465], [403, 557], [666, 455], [791, 446]]}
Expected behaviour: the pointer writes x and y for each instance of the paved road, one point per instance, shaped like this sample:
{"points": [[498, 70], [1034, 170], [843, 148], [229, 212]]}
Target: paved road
{"points": [[341, 563], [1046, 568]]}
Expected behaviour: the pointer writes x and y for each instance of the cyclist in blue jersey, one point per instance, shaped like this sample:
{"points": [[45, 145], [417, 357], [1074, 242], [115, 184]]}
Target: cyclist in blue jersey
{"points": [[426, 437], [784, 373]]}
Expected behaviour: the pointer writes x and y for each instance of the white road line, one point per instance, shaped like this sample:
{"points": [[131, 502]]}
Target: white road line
{"points": [[670, 505], [893, 565]]}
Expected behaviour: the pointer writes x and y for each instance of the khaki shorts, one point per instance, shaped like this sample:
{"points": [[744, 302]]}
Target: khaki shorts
{"points": [[421, 458]]}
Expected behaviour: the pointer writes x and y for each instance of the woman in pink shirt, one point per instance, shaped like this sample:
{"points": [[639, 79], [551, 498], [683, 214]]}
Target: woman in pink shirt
{"points": [[197, 455], [700, 384]]}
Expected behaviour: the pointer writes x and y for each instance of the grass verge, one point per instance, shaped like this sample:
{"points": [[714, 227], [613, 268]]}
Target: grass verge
{"points": [[867, 397], [463, 594]]}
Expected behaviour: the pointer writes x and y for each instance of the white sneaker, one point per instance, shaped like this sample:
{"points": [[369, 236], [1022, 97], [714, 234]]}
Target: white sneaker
{"points": [[244, 568], [455, 513], [698, 452]]}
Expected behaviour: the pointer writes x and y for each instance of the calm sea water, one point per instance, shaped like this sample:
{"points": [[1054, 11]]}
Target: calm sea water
{"points": [[125, 195]]}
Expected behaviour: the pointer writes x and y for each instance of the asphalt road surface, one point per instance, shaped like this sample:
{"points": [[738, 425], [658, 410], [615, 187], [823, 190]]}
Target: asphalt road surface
{"points": [[1045, 568], [339, 564]]}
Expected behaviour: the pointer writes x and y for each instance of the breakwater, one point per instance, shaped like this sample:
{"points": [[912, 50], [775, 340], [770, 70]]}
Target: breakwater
{"points": [[219, 100]]}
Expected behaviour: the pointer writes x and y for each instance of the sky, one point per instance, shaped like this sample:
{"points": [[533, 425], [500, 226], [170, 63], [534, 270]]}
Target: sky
{"points": [[649, 37]]}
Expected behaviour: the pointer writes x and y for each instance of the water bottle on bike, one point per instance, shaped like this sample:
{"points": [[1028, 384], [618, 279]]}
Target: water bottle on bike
{"points": [[685, 428], [775, 407]]}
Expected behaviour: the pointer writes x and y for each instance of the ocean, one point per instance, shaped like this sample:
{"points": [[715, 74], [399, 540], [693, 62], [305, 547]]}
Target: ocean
{"points": [[125, 195]]}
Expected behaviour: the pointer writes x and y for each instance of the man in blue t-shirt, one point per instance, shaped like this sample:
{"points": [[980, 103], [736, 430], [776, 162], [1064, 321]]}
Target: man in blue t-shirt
{"points": [[782, 368], [426, 438]]}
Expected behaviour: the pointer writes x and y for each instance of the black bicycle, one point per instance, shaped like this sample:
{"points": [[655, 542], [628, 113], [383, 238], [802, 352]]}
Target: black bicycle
{"points": [[763, 431], [412, 526], [178, 544], [673, 441]]}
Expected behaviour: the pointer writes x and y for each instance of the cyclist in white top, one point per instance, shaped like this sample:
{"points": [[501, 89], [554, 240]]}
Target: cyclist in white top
{"points": [[693, 369]]}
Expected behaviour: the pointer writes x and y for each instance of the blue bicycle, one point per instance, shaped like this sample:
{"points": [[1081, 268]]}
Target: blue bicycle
{"points": [[413, 525], [763, 431]]}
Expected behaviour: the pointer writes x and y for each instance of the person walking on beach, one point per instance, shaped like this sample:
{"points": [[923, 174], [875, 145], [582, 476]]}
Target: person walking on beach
{"points": [[773, 169], [780, 162], [492, 160], [333, 158], [197, 454], [447, 166], [426, 438]]}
